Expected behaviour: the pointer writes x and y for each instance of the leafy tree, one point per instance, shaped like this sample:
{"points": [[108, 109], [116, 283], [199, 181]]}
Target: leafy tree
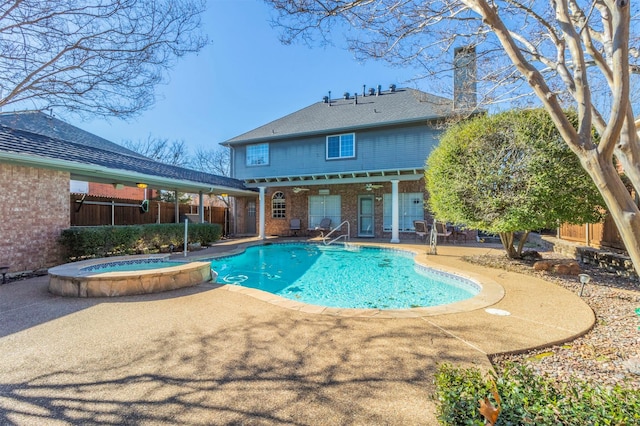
{"points": [[170, 197], [509, 172], [568, 53], [103, 57]]}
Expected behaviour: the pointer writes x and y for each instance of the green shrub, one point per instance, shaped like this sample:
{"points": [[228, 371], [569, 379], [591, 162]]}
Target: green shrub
{"points": [[530, 399], [100, 241]]}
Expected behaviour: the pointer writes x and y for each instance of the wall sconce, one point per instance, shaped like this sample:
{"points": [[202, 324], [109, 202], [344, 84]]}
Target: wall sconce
{"points": [[378, 198], [141, 185]]}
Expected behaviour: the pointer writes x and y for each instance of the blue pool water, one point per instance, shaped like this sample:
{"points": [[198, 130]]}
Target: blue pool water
{"points": [[131, 265], [360, 277]]}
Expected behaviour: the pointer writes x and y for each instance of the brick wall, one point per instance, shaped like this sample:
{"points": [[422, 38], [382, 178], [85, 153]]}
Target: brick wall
{"points": [[34, 209], [297, 205], [125, 192]]}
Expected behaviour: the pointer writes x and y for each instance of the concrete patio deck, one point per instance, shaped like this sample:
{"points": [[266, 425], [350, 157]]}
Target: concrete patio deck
{"points": [[206, 355]]}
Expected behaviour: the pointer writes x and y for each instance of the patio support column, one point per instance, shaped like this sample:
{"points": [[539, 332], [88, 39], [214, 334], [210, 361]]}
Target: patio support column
{"points": [[262, 234], [395, 209], [201, 206]]}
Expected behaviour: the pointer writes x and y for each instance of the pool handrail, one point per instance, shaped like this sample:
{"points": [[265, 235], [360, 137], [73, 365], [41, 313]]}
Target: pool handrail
{"points": [[345, 236]]}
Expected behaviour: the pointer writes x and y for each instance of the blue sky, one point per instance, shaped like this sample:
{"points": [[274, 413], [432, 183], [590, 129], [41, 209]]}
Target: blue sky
{"points": [[245, 78]]}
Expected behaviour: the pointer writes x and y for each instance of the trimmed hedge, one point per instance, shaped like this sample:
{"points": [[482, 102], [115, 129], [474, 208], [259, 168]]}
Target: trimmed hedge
{"points": [[530, 399], [101, 241]]}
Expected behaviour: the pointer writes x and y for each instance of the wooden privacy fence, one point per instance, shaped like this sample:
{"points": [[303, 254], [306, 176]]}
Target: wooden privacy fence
{"points": [[113, 211], [603, 234]]}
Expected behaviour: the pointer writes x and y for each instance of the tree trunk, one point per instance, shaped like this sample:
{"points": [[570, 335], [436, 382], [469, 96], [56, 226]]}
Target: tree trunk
{"points": [[620, 204], [506, 238], [628, 152], [521, 243]]}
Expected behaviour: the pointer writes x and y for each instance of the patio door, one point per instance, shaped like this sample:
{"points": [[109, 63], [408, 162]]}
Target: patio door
{"points": [[365, 216]]}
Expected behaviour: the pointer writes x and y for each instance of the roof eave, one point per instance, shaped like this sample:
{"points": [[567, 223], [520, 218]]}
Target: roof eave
{"points": [[231, 142], [96, 173]]}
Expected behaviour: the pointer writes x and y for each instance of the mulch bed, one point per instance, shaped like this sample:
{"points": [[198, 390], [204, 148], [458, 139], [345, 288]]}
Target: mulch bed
{"points": [[609, 354]]}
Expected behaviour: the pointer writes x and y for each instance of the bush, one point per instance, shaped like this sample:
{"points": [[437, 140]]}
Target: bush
{"points": [[530, 399], [100, 241]]}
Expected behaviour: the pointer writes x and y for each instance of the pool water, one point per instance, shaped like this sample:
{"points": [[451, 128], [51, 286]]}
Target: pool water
{"points": [[131, 265], [334, 276]]}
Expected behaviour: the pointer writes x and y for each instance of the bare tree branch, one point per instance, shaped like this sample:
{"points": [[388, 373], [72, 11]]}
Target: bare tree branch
{"points": [[174, 153], [216, 161], [104, 58]]}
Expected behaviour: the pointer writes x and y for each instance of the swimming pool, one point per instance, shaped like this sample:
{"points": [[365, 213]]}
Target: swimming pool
{"points": [[335, 276]]}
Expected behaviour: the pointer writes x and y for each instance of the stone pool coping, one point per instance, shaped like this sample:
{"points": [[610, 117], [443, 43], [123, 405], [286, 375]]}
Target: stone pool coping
{"points": [[491, 292], [71, 280]]}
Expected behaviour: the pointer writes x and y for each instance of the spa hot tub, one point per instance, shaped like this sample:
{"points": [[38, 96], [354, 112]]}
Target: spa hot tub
{"points": [[126, 275]]}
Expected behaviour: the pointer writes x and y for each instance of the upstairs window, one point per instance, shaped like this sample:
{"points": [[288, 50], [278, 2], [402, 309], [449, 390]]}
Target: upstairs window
{"points": [[341, 146], [258, 155], [278, 205]]}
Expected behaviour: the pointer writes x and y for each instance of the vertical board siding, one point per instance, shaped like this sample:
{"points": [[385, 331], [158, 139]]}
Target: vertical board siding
{"points": [[602, 235], [389, 148]]}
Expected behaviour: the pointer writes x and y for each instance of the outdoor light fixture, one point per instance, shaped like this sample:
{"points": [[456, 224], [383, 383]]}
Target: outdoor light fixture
{"points": [[584, 279], [141, 185]]}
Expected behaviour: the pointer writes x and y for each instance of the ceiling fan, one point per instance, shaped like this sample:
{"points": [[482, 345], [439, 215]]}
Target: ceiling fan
{"points": [[371, 186], [297, 189]]}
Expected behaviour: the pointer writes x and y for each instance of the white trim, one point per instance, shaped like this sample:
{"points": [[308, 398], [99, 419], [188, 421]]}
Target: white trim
{"points": [[329, 178], [339, 157]]}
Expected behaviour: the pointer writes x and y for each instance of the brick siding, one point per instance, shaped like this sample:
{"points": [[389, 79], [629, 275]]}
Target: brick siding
{"points": [[297, 205], [34, 209], [126, 192]]}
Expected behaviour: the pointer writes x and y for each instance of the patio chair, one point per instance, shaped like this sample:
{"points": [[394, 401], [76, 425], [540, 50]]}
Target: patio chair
{"points": [[323, 226], [294, 226], [421, 229], [442, 230]]}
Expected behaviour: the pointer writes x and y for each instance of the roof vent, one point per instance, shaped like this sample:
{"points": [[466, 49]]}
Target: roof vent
{"points": [[379, 91], [392, 87], [346, 95], [372, 91], [364, 90], [325, 99]]}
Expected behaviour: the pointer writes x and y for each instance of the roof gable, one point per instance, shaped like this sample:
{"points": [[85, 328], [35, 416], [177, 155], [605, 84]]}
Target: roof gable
{"points": [[388, 108]]}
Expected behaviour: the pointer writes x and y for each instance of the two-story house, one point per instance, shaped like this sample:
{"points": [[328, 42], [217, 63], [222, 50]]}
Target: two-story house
{"points": [[359, 158]]}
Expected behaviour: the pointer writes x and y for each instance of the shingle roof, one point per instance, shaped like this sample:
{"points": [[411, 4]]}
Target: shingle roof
{"points": [[43, 124], [97, 152], [388, 108]]}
